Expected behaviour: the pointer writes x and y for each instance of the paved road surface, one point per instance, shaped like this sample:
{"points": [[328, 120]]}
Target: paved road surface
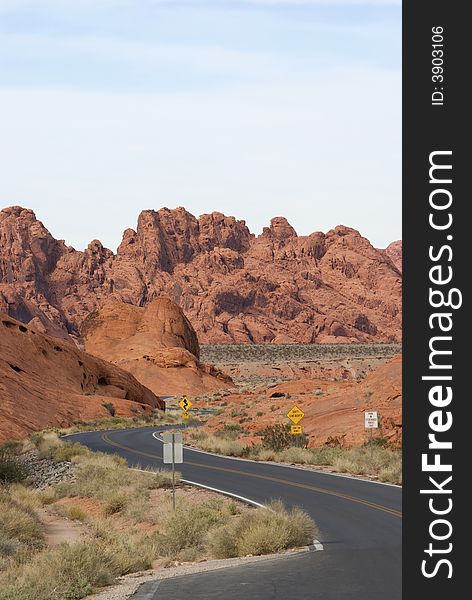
{"points": [[359, 523]]}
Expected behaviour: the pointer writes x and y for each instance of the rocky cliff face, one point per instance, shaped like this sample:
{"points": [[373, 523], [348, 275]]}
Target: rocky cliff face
{"points": [[394, 251], [45, 381], [157, 344], [233, 286]]}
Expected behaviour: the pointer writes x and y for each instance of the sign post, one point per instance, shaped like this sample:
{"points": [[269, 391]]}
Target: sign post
{"points": [[173, 453], [371, 421]]}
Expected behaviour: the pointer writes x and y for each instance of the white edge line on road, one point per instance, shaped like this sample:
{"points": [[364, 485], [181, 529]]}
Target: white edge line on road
{"points": [[270, 462]]}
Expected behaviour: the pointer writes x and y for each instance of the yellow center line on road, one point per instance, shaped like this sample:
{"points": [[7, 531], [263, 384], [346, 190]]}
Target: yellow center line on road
{"points": [[305, 486]]}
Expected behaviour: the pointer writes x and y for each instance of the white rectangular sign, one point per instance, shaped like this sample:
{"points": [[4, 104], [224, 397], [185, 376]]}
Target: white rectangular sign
{"points": [[178, 453], [371, 420], [169, 437], [172, 440]]}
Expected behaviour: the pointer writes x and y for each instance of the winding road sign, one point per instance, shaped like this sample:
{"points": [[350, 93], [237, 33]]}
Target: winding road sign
{"points": [[185, 403]]}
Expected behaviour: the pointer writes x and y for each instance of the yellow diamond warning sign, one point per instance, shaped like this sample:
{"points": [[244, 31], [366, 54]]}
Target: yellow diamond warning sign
{"points": [[296, 429], [295, 415], [185, 403]]}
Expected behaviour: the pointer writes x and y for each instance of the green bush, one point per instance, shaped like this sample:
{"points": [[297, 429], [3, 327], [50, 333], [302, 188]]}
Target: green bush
{"points": [[11, 469], [278, 437]]}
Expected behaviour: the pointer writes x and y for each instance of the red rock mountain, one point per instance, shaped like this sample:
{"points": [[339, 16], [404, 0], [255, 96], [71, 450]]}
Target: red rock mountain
{"points": [[394, 251], [157, 344], [45, 381], [233, 286]]}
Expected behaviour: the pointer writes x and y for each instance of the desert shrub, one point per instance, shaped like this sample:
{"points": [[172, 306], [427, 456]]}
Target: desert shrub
{"points": [[384, 463], [278, 437], [198, 435], [12, 447], [259, 453], [325, 455], [218, 445], [65, 572], [131, 552], [77, 513], [116, 503], [108, 479], [294, 455], [230, 431], [238, 413], [66, 451], [262, 531], [11, 468], [19, 525], [137, 509], [379, 442], [183, 528]]}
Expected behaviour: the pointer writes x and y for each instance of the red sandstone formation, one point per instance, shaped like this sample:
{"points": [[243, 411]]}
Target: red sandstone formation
{"points": [[157, 344], [233, 286], [45, 381], [394, 251]]}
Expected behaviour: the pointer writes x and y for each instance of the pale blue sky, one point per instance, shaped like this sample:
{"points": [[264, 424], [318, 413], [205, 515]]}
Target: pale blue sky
{"points": [[255, 108]]}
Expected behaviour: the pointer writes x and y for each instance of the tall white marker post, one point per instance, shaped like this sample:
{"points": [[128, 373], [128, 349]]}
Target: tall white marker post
{"points": [[173, 453], [371, 421]]}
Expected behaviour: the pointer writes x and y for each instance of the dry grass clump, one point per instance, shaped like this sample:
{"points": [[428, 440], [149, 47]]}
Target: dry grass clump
{"points": [[11, 469], [73, 572], [384, 463], [263, 531], [185, 530], [218, 444], [108, 479], [21, 533]]}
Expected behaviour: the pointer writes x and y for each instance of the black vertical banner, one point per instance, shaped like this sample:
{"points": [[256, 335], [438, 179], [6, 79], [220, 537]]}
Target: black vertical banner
{"points": [[437, 240]]}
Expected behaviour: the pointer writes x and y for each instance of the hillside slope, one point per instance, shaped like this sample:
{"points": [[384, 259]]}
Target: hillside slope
{"points": [[48, 382]]}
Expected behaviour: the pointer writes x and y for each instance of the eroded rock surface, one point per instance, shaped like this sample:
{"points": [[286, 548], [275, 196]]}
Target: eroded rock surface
{"points": [[233, 286]]}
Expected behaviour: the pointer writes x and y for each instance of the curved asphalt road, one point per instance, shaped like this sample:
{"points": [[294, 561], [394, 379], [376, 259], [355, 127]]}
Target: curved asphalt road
{"points": [[359, 524]]}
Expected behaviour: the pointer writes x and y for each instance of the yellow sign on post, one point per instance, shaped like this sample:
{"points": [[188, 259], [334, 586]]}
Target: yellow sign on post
{"points": [[295, 415], [296, 429], [185, 415], [185, 403]]}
